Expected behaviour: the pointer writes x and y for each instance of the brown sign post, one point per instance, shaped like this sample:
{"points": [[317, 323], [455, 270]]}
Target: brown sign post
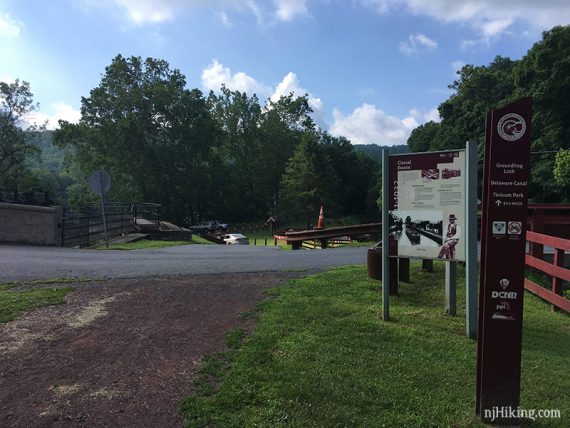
{"points": [[505, 198]]}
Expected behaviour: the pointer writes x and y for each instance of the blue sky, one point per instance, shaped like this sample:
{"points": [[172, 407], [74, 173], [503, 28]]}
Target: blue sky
{"points": [[374, 69]]}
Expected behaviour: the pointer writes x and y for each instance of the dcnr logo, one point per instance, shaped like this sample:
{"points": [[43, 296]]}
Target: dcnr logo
{"points": [[504, 295], [511, 127]]}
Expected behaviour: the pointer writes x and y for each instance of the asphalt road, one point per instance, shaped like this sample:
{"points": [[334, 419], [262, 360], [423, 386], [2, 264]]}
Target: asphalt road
{"points": [[30, 263]]}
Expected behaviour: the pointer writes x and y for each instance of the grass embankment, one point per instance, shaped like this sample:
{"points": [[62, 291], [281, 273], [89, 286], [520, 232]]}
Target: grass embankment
{"points": [[321, 356], [148, 244], [14, 303]]}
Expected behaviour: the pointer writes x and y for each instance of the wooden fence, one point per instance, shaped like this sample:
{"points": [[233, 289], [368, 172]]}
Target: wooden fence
{"points": [[556, 270]]}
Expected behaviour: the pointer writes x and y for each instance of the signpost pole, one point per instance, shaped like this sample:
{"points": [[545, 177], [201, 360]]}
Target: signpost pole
{"points": [[100, 183], [385, 233], [451, 288], [471, 236]]}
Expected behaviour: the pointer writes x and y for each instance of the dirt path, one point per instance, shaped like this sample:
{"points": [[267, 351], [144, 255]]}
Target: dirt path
{"points": [[121, 352]]}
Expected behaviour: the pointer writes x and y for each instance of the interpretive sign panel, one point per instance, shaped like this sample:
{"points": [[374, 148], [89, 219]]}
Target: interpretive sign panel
{"points": [[505, 198], [427, 205]]}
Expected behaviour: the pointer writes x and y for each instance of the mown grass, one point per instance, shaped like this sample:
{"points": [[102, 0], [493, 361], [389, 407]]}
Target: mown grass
{"points": [[13, 303], [149, 244], [321, 356]]}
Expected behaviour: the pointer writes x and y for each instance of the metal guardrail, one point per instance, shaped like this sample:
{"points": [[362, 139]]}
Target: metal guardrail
{"points": [[83, 231], [147, 210], [296, 238], [86, 227]]}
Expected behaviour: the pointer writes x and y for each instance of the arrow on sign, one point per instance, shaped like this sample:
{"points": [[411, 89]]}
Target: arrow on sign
{"points": [[498, 202]]}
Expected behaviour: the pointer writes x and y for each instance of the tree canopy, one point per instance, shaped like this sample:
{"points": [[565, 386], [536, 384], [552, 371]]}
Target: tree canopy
{"points": [[226, 155], [544, 74], [17, 137]]}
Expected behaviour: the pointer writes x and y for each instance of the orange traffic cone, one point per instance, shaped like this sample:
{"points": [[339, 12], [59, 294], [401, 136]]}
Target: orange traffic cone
{"points": [[321, 222]]}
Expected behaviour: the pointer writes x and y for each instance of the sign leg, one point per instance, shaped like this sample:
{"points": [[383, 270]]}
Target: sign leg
{"points": [[451, 288]]}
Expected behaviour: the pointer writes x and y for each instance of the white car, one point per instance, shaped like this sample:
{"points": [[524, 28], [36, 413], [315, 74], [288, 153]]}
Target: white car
{"points": [[236, 239]]}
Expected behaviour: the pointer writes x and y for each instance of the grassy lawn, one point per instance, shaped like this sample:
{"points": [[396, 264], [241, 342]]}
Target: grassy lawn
{"points": [[321, 356], [14, 303], [146, 244]]}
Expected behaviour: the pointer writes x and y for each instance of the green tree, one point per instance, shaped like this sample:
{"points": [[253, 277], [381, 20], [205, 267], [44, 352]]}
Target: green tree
{"points": [[356, 174], [544, 74], [423, 137], [309, 180], [238, 117], [17, 137], [283, 123], [562, 172], [154, 136], [478, 90]]}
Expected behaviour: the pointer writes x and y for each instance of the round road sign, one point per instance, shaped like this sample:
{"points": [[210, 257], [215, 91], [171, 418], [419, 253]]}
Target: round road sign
{"points": [[100, 182]]}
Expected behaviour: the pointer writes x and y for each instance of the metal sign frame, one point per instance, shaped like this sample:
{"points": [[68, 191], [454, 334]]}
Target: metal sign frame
{"points": [[470, 239]]}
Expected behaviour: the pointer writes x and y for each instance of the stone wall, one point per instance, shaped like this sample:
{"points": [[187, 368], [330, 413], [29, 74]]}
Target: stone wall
{"points": [[28, 224]]}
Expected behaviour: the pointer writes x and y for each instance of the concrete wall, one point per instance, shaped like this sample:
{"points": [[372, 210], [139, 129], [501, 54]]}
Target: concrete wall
{"points": [[28, 224]]}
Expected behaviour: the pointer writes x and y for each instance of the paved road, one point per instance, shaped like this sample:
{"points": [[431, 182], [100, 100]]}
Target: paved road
{"points": [[29, 263]]}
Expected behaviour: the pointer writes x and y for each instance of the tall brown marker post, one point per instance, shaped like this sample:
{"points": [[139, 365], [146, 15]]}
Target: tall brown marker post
{"points": [[505, 199]]}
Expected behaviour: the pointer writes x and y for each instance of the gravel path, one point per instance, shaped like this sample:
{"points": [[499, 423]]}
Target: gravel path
{"points": [[120, 352]]}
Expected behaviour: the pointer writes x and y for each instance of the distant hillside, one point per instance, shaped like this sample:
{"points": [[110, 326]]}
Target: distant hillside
{"points": [[375, 151], [51, 157]]}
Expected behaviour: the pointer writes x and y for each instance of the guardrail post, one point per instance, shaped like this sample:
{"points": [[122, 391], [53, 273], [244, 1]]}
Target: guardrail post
{"points": [[557, 283], [324, 243]]}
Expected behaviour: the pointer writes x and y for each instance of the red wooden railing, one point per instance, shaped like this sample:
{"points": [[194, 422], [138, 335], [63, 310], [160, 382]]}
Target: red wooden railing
{"points": [[556, 270]]}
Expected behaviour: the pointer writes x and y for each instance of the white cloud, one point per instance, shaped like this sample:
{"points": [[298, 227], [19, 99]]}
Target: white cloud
{"points": [[286, 10], [416, 43], [60, 110], [369, 125], [158, 11], [9, 28], [7, 79], [468, 44], [489, 17], [495, 28], [425, 116], [381, 6], [216, 75], [226, 20]]}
